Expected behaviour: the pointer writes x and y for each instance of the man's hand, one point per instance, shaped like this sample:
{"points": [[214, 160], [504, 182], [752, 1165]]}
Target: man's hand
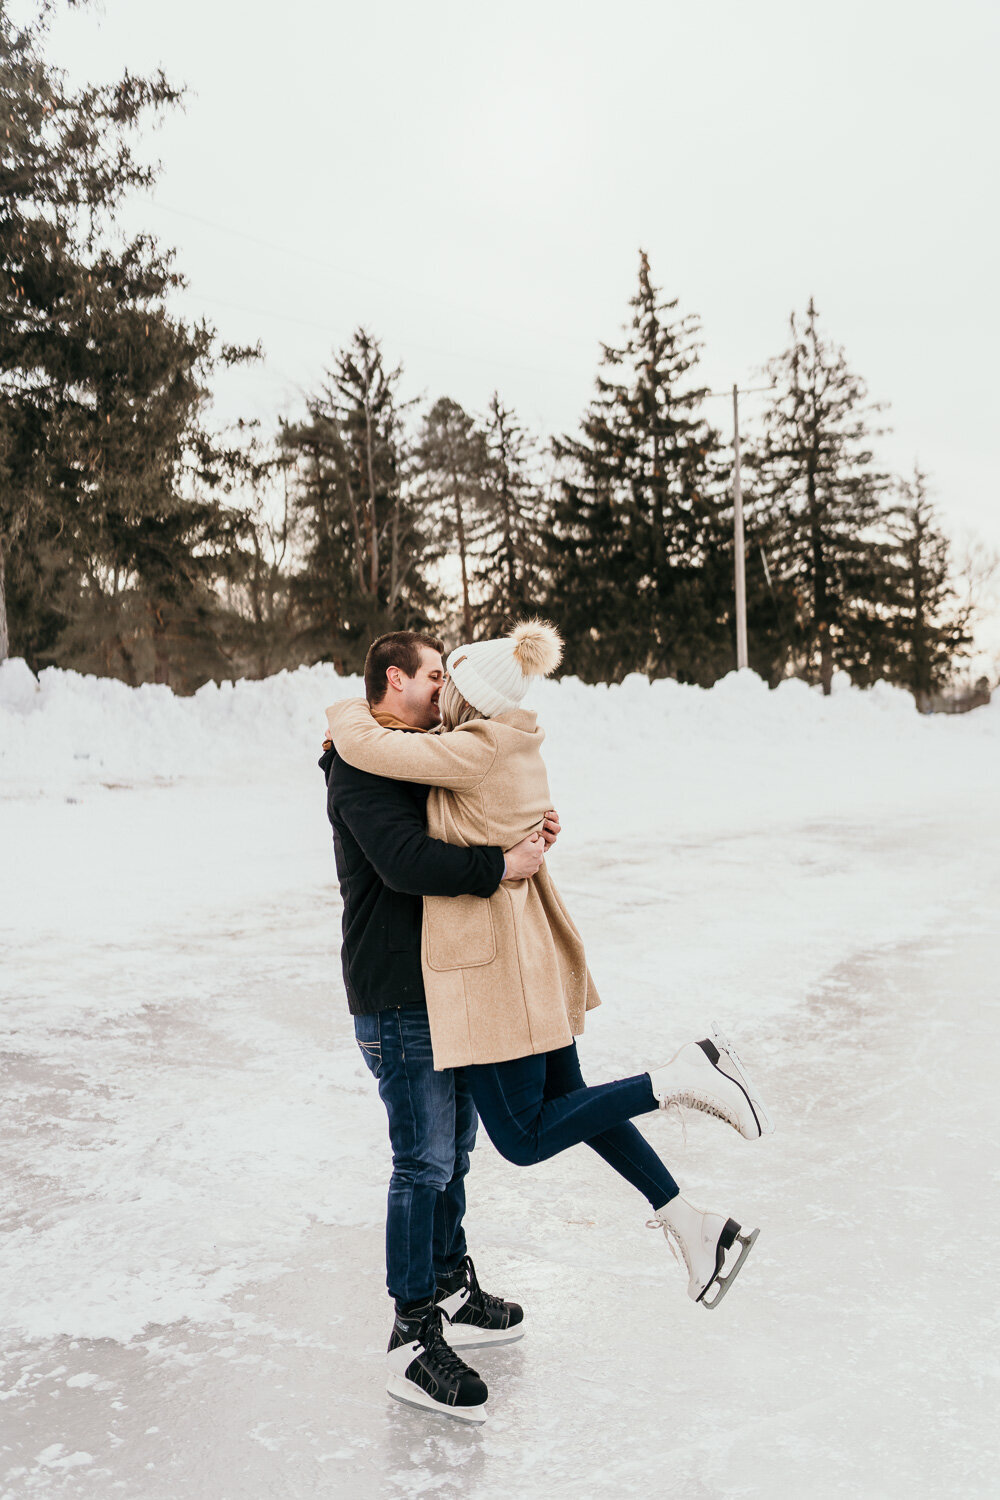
{"points": [[551, 828], [525, 859]]}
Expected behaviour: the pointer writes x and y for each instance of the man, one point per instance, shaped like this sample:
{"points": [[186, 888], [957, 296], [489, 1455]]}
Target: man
{"points": [[386, 863]]}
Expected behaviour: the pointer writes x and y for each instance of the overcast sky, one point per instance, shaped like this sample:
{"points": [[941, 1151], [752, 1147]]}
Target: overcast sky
{"points": [[473, 183]]}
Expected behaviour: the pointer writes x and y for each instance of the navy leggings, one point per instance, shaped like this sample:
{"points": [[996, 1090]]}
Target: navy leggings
{"points": [[535, 1107]]}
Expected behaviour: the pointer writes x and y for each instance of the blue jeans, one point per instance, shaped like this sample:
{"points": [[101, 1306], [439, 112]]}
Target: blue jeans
{"points": [[432, 1129], [534, 1107]]}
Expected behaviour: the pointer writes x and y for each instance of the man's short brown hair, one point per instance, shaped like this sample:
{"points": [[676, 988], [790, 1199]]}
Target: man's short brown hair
{"points": [[400, 649]]}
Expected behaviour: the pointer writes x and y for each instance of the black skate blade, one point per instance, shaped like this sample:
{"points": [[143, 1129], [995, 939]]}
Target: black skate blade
{"points": [[417, 1402], [731, 1235], [466, 1336]]}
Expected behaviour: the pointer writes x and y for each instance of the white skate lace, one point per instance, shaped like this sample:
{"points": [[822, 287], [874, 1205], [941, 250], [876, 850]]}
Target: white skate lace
{"points": [[673, 1240], [673, 1108], [705, 1103]]}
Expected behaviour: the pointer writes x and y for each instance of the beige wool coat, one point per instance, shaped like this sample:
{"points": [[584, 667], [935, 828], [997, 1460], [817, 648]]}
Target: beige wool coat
{"points": [[504, 977]]}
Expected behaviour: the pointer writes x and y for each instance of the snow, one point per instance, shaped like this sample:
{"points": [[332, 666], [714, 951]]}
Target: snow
{"points": [[191, 1278]]}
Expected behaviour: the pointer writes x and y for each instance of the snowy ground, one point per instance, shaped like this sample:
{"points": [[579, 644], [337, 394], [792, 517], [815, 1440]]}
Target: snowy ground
{"points": [[191, 1279]]}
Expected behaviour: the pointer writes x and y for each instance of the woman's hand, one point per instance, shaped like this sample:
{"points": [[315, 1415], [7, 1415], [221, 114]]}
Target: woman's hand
{"points": [[551, 828]]}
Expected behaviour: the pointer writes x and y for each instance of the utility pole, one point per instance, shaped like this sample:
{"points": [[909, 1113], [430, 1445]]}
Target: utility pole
{"points": [[742, 655]]}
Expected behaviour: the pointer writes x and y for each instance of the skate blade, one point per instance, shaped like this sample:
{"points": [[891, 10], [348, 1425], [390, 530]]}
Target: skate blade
{"points": [[723, 1283], [461, 1336], [725, 1046], [408, 1394]]}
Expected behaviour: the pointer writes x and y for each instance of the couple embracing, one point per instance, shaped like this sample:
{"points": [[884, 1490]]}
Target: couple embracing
{"points": [[468, 984]]}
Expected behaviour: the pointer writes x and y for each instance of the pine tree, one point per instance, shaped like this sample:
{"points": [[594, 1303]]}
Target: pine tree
{"points": [[821, 501], [112, 522], [930, 628], [450, 464], [773, 631], [152, 526], [365, 547], [641, 579], [511, 573], [263, 625]]}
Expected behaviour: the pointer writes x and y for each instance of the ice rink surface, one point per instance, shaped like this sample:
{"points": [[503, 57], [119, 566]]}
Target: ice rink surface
{"points": [[194, 1156]]}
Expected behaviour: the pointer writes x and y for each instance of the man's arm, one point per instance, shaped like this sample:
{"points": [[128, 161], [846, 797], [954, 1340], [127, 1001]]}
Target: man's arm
{"points": [[391, 833]]}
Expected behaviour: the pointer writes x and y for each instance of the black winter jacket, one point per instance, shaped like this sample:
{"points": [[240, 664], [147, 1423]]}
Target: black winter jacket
{"points": [[386, 862]]}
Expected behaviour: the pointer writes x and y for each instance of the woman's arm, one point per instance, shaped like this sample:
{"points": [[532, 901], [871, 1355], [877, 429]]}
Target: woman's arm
{"points": [[458, 759]]}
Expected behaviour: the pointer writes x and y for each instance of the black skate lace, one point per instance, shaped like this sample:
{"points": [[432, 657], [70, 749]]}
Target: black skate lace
{"points": [[436, 1345], [485, 1299]]}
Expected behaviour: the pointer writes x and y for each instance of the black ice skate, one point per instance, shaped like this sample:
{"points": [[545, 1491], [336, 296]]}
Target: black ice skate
{"points": [[472, 1317], [425, 1372]]}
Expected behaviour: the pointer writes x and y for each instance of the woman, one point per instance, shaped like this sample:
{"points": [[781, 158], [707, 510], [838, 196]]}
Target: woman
{"points": [[506, 978]]}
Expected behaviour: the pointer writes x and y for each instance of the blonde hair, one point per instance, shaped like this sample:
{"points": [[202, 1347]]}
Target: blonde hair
{"points": [[455, 709]]}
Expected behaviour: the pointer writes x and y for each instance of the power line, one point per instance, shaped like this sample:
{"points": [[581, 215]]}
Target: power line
{"points": [[479, 359], [745, 390], [337, 270]]}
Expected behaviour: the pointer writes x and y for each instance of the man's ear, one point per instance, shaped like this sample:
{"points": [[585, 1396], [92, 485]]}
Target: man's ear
{"points": [[394, 677]]}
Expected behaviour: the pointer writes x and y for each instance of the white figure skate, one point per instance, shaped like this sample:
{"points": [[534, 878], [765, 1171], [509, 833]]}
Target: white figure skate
{"points": [[709, 1076], [704, 1240]]}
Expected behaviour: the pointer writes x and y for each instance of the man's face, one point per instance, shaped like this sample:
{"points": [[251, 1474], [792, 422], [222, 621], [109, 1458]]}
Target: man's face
{"points": [[415, 699]]}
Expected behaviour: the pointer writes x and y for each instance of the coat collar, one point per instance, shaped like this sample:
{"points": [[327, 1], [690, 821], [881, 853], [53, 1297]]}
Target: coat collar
{"points": [[389, 721], [518, 718]]}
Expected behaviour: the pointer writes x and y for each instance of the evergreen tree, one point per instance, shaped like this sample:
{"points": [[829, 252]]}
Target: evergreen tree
{"points": [[642, 570], [819, 501], [930, 627], [263, 629], [512, 570], [112, 526], [773, 632], [365, 546], [450, 473]]}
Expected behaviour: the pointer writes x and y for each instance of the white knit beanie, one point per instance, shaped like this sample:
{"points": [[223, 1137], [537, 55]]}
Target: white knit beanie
{"points": [[494, 675]]}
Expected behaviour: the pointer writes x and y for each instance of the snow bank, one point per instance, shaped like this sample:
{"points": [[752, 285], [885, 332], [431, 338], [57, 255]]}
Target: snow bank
{"points": [[733, 753], [80, 728]]}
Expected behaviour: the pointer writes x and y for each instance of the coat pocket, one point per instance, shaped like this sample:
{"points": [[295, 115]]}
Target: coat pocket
{"points": [[458, 932]]}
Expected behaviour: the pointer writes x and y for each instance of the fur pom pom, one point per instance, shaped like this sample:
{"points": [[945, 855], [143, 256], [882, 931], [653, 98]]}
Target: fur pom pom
{"points": [[538, 648]]}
